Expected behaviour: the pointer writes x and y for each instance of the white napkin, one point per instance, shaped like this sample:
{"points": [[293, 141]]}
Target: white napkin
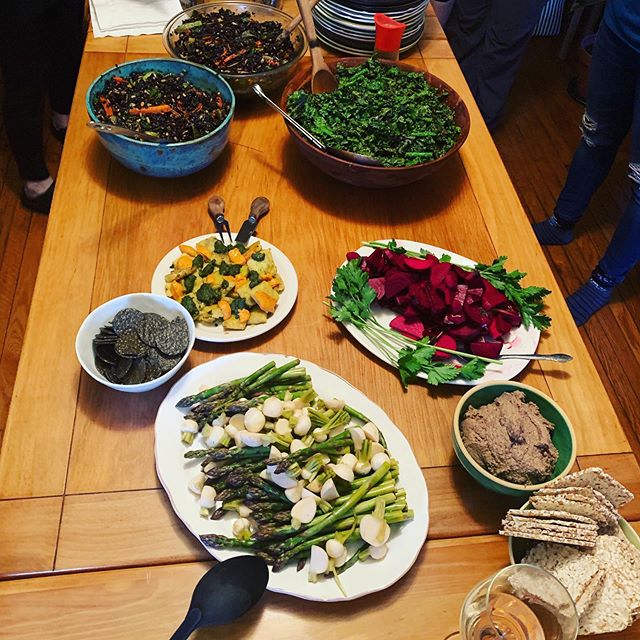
{"points": [[131, 17]]}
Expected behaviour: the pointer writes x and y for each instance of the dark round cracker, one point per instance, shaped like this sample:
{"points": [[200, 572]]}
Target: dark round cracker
{"points": [[175, 340], [126, 319], [108, 371], [130, 345], [106, 352], [122, 367], [137, 373], [150, 327]]}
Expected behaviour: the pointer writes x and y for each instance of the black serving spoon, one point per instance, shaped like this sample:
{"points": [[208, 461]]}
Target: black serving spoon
{"points": [[226, 592]]}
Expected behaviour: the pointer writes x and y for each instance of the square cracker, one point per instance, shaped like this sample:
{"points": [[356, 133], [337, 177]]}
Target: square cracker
{"points": [[599, 480]]}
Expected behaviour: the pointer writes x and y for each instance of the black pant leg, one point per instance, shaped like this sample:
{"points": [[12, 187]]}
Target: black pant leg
{"points": [[510, 25], [466, 27], [65, 37], [23, 60]]}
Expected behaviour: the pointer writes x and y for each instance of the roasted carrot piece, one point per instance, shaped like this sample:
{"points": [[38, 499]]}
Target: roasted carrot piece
{"points": [[158, 108], [106, 105]]}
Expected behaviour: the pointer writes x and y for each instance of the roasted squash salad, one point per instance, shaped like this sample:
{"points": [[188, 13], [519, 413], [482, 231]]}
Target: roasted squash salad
{"points": [[233, 285]]}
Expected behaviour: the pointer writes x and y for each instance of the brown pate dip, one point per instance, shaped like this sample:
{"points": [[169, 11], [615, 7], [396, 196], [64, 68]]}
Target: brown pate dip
{"points": [[510, 439]]}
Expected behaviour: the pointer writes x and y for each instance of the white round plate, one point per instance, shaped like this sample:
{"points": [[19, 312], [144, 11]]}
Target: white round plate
{"points": [[175, 472], [209, 333], [518, 340]]}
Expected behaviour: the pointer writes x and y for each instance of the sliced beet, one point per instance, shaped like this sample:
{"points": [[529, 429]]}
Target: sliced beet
{"points": [[458, 298], [492, 297], [464, 332], [451, 279], [447, 342], [396, 282], [475, 313], [439, 272], [420, 264], [454, 318], [413, 329], [377, 284], [486, 349]]}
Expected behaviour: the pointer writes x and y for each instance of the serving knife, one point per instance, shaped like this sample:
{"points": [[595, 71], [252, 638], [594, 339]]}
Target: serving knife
{"points": [[259, 208]]}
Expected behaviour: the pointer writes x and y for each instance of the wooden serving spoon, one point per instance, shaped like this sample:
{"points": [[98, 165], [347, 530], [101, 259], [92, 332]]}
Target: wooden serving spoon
{"points": [[322, 79], [288, 30]]}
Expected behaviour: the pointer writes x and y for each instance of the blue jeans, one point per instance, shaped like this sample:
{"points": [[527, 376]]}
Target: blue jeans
{"points": [[613, 107]]}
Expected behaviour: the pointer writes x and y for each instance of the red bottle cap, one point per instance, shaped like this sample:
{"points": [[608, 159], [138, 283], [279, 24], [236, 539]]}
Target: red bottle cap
{"points": [[388, 33]]}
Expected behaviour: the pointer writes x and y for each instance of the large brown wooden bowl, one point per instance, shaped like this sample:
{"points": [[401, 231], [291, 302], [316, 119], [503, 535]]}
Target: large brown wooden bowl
{"points": [[366, 176]]}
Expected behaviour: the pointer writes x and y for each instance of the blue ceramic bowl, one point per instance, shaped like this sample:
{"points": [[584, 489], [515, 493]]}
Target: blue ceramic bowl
{"points": [[166, 160]]}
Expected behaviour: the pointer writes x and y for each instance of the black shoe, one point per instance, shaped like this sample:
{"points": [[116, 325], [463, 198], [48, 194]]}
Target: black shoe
{"points": [[39, 204], [59, 134]]}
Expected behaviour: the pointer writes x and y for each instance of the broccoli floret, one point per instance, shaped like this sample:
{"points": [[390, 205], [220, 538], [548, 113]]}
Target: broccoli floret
{"points": [[188, 283], [258, 256], [197, 262], [254, 278], [207, 269], [208, 295], [236, 305], [188, 303], [227, 269], [220, 247], [224, 284]]}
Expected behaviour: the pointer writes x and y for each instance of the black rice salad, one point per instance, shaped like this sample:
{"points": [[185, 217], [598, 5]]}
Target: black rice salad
{"points": [[232, 42], [161, 104]]}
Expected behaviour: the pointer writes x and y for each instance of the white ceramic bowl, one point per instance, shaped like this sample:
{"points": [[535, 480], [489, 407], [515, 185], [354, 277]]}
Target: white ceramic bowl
{"points": [[98, 318]]}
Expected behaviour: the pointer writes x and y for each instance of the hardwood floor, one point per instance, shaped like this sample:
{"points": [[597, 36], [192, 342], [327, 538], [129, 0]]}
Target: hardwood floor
{"points": [[536, 142]]}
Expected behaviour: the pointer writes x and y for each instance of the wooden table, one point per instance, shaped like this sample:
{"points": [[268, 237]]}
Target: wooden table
{"points": [[89, 546]]}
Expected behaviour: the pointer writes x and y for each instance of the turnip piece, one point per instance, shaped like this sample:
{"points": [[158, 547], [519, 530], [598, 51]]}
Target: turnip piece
{"points": [[197, 483], [295, 493], [272, 407], [358, 437], [303, 425], [371, 432], [378, 553], [349, 460], [334, 403], [318, 562], [304, 510], [251, 439], [296, 445], [254, 420], [328, 491], [334, 548], [344, 472], [282, 427], [378, 460], [283, 480]]}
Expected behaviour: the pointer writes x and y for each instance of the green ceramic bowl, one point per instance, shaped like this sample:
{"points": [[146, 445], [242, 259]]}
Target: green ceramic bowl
{"points": [[563, 436], [518, 547]]}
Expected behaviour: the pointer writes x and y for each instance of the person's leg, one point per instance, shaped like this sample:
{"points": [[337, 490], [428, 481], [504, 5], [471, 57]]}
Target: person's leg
{"points": [[509, 28], [623, 252], [23, 62], [608, 115], [65, 37], [465, 31]]}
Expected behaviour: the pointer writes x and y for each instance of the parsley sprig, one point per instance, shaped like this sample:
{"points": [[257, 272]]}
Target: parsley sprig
{"points": [[350, 302]]}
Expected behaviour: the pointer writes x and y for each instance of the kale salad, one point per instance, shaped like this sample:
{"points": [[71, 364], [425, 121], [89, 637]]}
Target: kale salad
{"points": [[381, 111]]}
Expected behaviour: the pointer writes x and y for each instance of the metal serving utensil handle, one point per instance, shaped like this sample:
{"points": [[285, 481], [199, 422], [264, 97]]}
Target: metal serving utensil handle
{"points": [[103, 127], [553, 357], [258, 89]]}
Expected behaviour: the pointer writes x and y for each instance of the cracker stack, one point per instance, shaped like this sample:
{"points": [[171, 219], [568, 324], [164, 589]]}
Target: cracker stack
{"points": [[550, 526], [576, 520]]}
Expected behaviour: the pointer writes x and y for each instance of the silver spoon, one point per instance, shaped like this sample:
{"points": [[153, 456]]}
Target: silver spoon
{"points": [[554, 357], [103, 127], [345, 155]]}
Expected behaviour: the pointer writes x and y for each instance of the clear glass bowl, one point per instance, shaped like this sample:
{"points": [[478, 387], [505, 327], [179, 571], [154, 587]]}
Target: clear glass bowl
{"points": [[519, 602], [241, 83]]}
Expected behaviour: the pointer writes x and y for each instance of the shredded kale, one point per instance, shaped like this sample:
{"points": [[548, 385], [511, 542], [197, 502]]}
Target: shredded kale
{"points": [[380, 111]]}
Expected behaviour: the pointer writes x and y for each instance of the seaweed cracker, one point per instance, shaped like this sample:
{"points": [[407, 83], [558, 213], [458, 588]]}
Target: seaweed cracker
{"points": [[139, 347]]}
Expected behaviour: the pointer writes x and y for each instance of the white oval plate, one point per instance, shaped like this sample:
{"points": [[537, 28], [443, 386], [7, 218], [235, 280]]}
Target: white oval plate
{"points": [[175, 472], [210, 333], [519, 340]]}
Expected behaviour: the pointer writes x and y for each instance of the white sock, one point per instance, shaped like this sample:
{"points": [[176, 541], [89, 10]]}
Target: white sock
{"points": [[60, 120], [35, 188]]}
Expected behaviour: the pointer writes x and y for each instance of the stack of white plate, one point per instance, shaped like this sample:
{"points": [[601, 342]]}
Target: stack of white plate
{"points": [[348, 26]]}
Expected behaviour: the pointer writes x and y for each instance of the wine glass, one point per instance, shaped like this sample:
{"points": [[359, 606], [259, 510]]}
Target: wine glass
{"points": [[520, 602]]}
